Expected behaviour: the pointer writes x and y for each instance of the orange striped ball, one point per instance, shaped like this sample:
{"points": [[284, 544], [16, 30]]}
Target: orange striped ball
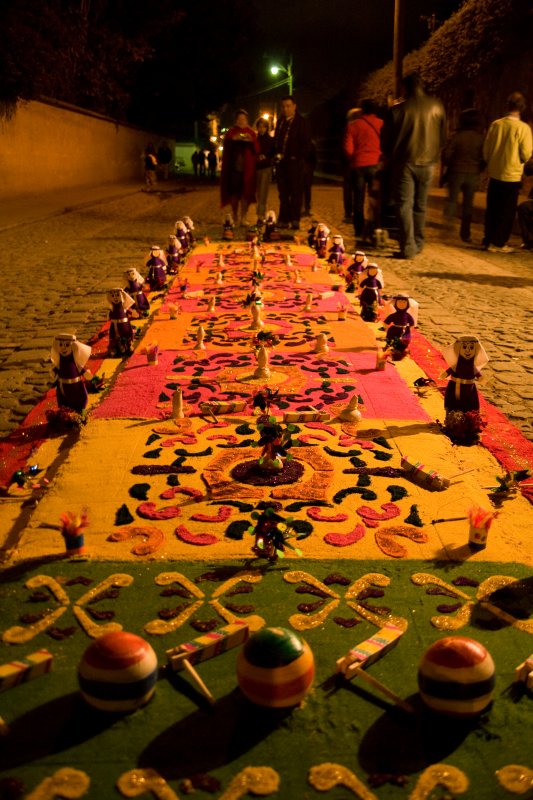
{"points": [[275, 668], [118, 672], [456, 677]]}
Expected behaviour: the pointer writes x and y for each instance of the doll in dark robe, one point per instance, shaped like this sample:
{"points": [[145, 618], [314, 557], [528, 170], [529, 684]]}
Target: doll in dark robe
{"points": [[336, 252], [134, 287], [465, 358], [402, 317], [173, 255], [69, 357], [121, 333], [157, 269], [370, 287]]}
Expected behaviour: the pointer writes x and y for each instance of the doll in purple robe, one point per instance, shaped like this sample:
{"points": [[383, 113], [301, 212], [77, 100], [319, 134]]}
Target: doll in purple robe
{"points": [[353, 270], [370, 287], [121, 333], [173, 255], [321, 240], [183, 235], [336, 252], [271, 234], [227, 227], [69, 357], [189, 224], [465, 358], [402, 317], [157, 269], [134, 287]]}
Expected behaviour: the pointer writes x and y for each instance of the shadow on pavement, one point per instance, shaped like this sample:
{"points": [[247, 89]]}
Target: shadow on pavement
{"points": [[489, 280]]}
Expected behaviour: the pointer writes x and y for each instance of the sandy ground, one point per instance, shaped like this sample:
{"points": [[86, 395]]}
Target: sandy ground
{"points": [[68, 260]]}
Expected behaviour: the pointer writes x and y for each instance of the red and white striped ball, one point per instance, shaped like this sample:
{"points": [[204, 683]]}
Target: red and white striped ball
{"points": [[118, 672], [456, 677], [275, 668]]}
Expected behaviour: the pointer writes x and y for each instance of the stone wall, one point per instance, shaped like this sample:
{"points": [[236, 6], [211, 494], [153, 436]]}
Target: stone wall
{"points": [[49, 146]]}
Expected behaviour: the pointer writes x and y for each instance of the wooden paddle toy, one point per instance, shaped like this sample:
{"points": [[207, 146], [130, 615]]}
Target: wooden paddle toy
{"points": [[207, 646], [362, 655]]}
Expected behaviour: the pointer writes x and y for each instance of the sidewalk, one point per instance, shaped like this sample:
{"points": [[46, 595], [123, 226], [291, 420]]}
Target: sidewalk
{"points": [[15, 211]]}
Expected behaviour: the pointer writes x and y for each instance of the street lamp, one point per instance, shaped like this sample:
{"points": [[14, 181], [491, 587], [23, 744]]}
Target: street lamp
{"points": [[276, 69]]}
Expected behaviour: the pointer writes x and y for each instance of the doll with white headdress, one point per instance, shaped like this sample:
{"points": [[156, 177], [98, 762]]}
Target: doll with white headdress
{"points": [[173, 254], [336, 251], [183, 235], [189, 224], [270, 233], [69, 357], [121, 333], [466, 357], [321, 239], [370, 286], [134, 287], [228, 226], [401, 316], [353, 270], [157, 269]]}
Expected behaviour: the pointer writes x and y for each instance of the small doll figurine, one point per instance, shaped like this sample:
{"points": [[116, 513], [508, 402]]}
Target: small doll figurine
{"points": [[182, 234], [121, 333], [270, 227], [360, 261], [353, 270], [173, 254], [134, 287], [227, 227], [189, 224], [465, 358], [402, 317], [336, 252], [69, 357], [321, 239], [370, 286], [157, 269]]}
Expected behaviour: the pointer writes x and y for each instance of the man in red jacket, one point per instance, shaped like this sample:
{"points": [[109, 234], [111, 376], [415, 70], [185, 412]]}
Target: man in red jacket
{"points": [[362, 149]]}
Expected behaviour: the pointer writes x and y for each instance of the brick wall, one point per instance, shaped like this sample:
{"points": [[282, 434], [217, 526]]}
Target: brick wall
{"points": [[48, 146]]}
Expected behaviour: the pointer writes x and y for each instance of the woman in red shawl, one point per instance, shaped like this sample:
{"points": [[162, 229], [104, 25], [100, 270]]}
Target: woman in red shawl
{"points": [[237, 180]]}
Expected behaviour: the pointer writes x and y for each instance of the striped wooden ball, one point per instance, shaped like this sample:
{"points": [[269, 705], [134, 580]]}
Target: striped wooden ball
{"points": [[118, 672], [456, 677], [275, 668]]}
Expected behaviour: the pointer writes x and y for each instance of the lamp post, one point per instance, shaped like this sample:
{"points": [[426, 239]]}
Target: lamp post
{"points": [[276, 69]]}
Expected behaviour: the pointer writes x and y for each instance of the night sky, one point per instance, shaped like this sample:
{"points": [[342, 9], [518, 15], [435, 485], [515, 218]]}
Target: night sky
{"points": [[164, 64], [220, 54]]}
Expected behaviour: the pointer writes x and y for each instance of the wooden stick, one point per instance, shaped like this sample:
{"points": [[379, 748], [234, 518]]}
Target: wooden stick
{"points": [[448, 519], [458, 474], [359, 671], [199, 682]]}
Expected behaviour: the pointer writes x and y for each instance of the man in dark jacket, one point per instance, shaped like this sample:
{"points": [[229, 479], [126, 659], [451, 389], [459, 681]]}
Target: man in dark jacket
{"points": [[292, 145], [412, 137]]}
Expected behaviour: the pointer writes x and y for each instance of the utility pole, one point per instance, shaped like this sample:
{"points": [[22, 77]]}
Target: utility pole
{"points": [[397, 58]]}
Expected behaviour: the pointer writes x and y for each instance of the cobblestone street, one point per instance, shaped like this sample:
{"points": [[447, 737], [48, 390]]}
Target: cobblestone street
{"points": [[70, 259]]}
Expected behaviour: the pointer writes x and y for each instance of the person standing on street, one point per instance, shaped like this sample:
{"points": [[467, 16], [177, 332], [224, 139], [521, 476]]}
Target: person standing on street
{"points": [[507, 147], [237, 178], [362, 149], [292, 144], [263, 167], [413, 135], [164, 157], [463, 159], [150, 167]]}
